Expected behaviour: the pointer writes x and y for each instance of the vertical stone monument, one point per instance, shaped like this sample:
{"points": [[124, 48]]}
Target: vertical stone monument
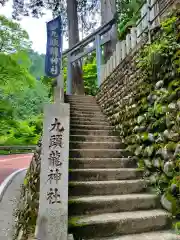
{"points": [[52, 222]]}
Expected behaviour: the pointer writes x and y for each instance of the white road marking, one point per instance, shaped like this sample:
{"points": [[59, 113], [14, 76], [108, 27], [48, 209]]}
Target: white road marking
{"points": [[4, 185]]}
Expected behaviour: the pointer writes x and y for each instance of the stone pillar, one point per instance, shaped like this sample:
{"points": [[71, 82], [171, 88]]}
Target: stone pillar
{"points": [[59, 89], [52, 222], [58, 95]]}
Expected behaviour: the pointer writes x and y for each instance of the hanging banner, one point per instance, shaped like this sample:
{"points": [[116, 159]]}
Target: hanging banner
{"points": [[54, 47]]}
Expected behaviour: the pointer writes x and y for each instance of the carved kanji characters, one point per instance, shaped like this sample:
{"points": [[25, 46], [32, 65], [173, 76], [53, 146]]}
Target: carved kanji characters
{"points": [[57, 126], [54, 175], [54, 159], [53, 196], [56, 141]]}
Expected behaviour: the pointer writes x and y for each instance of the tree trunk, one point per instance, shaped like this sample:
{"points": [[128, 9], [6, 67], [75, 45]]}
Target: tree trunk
{"points": [[73, 32], [108, 10]]}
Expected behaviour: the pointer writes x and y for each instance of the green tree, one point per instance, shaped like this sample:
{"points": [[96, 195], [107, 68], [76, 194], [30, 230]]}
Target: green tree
{"points": [[21, 99], [37, 64], [21, 95], [13, 76], [72, 12], [30, 102], [12, 37], [128, 14]]}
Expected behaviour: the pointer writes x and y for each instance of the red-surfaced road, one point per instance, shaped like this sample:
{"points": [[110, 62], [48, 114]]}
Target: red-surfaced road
{"points": [[11, 163]]}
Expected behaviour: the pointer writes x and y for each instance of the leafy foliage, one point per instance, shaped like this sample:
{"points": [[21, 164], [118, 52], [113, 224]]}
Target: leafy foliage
{"points": [[144, 108], [12, 37], [85, 10], [90, 78], [21, 98], [37, 64], [21, 95], [89, 74], [23, 91], [151, 128], [128, 12]]}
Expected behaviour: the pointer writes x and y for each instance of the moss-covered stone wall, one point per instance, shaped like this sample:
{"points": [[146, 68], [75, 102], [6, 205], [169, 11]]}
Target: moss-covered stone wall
{"points": [[142, 100], [27, 209]]}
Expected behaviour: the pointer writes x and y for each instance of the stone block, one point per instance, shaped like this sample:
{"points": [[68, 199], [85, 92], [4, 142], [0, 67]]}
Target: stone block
{"points": [[52, 222]]}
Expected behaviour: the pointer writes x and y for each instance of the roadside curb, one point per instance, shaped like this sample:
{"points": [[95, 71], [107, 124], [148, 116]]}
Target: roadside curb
{"points": [[5, 184]]}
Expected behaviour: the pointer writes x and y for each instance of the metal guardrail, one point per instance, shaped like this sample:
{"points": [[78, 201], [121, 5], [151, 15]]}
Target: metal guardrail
{"points": [[18, 147]]}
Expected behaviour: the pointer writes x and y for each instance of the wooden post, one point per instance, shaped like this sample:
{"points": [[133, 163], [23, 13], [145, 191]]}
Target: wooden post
{"points": [[118, 53], [123, 49], [111, 64], [98, 58], [108, 68], [128, 43], [152, 13], [102, 73], [144, 11], [69, 75], [133, 37], [58, 94], [149, 20], [114, 60], [108, 10], [155, 12], [138, 30], [59, 89]]}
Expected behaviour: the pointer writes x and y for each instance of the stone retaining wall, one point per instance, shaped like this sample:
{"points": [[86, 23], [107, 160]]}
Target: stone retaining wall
{"points": [[142, 100]]}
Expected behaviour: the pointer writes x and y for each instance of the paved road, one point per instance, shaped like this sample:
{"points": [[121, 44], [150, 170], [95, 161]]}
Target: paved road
{"points": [[11, 163]]}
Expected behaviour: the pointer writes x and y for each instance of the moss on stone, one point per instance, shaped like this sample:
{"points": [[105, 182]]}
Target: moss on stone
{"points": [[155, 122], [74, 222]]}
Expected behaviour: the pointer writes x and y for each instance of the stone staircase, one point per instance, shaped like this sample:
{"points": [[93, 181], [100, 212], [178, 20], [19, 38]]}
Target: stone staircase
{"points": [[107, 195]]}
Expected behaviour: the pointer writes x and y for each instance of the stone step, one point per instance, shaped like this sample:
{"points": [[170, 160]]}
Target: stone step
{"points": [[84, 105], [98, 153], [91, 121], [93, 132], [95, 145], [86, 111], [158, 235], [110, 204], [111, 224], [80, 100], [89, 114], [104, 174], [78, 96], [90, 118], [102, 163], [88, 122], [85, 108], [85, 139], [91, 127], [85, 102], [92, 188]]}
